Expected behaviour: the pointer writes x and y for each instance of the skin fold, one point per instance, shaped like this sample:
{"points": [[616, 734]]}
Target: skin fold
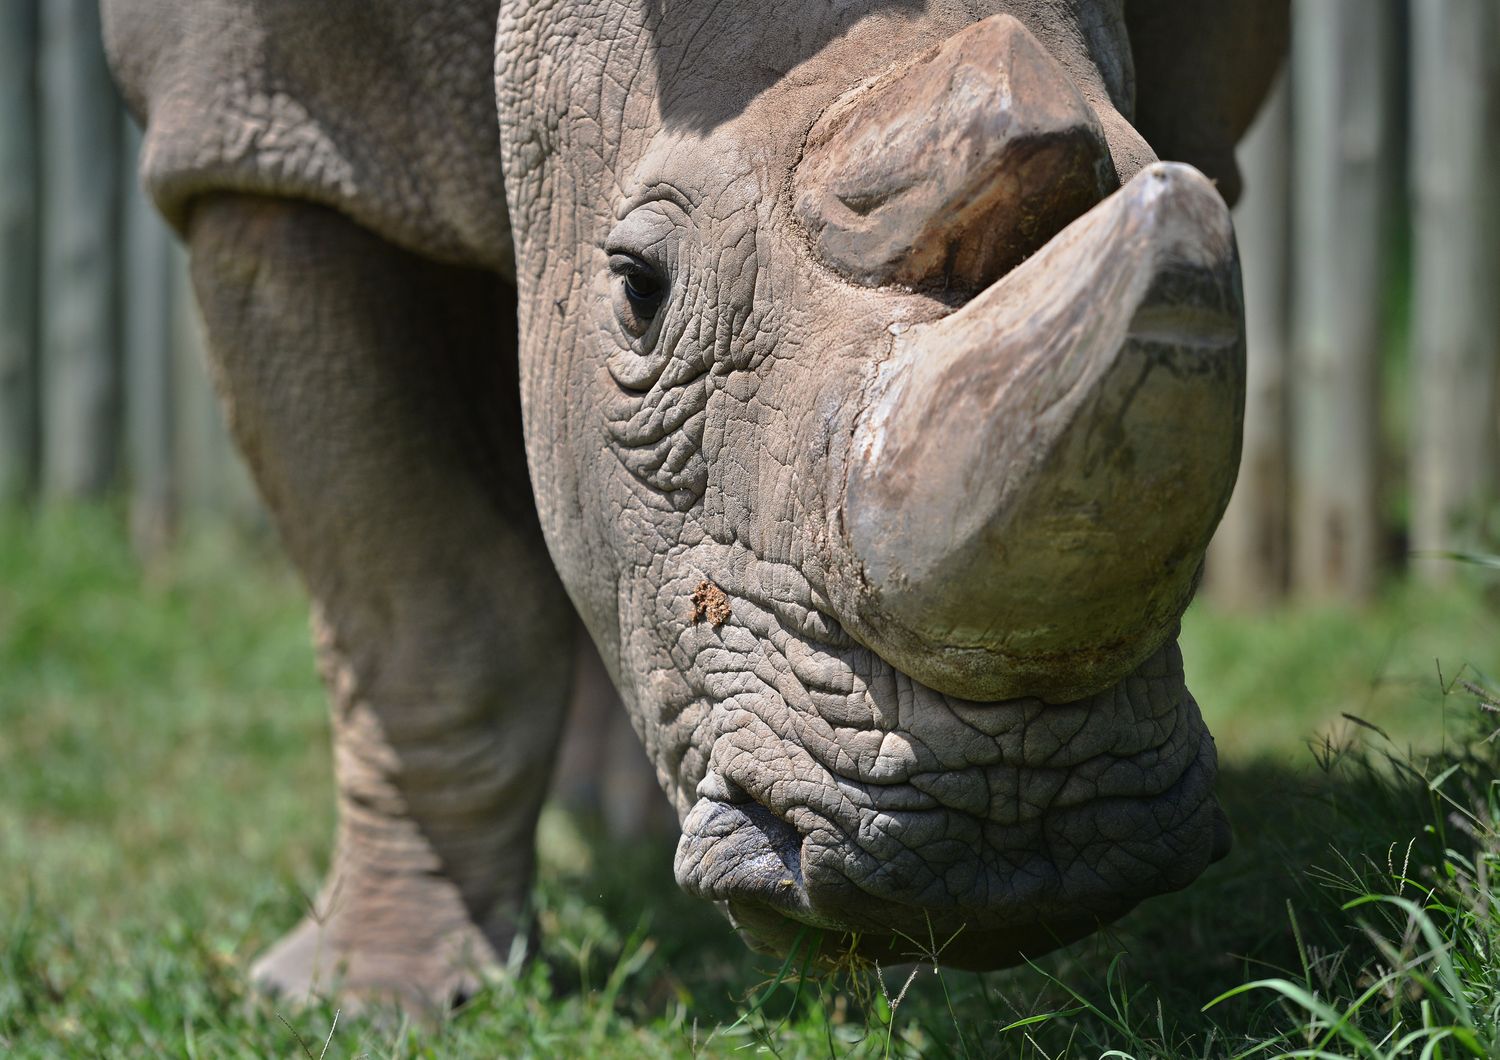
{"points": [[612, 312]]}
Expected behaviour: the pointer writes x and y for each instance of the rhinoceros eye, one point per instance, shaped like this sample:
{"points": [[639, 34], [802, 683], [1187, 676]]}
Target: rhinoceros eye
{"points": [[640, 288]]}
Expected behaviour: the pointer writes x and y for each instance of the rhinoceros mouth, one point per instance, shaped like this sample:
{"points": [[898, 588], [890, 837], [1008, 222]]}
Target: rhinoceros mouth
{"points": [[1078, 812]]}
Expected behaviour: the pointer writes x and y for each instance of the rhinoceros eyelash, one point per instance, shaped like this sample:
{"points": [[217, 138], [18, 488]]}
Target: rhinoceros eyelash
{"points": [[643, 281], [624, 262]]}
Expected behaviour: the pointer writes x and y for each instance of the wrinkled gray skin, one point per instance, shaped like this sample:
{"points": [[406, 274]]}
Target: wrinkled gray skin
{"points": [[945, 528]]}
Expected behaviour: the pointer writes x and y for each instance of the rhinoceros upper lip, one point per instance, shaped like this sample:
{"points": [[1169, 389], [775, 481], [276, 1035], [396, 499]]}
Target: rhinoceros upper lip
{"points": [[736, 848], [755, 856], [745, 854]]}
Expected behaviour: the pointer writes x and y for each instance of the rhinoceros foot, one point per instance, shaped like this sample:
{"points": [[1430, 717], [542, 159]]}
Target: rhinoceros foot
{"points": [[408, 942]]}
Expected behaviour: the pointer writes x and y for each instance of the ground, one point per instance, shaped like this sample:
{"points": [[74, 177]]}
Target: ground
{"points": [[165, 806]]}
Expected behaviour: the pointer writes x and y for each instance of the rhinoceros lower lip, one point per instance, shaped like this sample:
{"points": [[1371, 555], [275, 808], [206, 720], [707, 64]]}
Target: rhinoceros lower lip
{"points": [[769, 931]]}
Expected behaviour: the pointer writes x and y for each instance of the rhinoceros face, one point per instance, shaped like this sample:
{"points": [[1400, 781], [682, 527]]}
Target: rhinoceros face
{"points": [[878, 431]]}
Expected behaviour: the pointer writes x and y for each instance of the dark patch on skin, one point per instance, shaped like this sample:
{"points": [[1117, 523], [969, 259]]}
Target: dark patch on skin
{"points": [[710, 602]]}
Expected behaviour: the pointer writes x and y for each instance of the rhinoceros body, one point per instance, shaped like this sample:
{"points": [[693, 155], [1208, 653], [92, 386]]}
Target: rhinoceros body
{"points": [[852, 370]]}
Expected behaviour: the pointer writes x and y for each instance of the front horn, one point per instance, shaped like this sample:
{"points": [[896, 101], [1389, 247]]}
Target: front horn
{"points": [[1032, 486]]}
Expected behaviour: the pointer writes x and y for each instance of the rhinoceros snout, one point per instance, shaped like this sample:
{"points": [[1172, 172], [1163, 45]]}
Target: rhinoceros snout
{"points": [[1043, 823]]}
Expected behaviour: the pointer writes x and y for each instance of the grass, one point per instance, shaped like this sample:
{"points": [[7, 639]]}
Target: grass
{"points": [[165, 801]]}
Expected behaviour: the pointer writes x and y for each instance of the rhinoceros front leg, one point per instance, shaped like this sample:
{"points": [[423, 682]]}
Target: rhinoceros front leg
{"points": [[373, 393]]}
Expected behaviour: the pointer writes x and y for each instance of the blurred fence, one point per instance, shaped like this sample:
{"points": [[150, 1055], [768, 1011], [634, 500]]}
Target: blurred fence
{"points": [[1370, 233], [102, 381]]}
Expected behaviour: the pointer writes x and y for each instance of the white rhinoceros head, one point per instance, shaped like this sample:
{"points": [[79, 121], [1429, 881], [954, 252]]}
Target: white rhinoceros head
{"points": [[881, 395]]}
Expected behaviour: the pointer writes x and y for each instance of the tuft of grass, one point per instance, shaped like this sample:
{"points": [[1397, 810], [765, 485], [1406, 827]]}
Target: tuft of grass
{"points": [[165, 801], [1430, 982]]}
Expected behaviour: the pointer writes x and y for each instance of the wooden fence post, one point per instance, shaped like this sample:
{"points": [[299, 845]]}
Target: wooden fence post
{"points": [[18, 248], [80, 371], [146, 315], [1456, 297], [1247, 561], [1345, 170]]}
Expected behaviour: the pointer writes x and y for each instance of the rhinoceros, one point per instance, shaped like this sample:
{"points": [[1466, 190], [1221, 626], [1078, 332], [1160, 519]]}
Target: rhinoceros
{"points": [[852, 369]]}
